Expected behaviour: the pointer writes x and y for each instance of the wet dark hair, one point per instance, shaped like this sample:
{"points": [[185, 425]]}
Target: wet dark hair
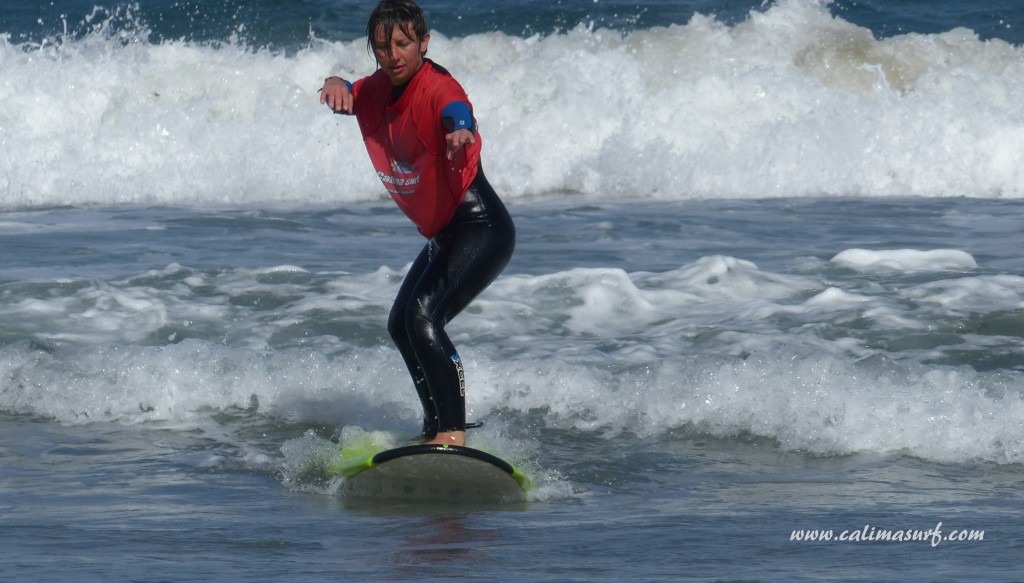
{"points": [[405, 15]]}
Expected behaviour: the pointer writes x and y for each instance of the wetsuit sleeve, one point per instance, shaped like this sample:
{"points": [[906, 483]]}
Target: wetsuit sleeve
{"points": [[458, 115]]}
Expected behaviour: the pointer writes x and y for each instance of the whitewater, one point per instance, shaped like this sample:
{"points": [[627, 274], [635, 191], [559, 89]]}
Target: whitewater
{"points": [[792, 102]]}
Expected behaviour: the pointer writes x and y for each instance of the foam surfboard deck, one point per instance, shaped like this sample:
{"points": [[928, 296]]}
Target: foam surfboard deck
{"points": [[430, 473]]}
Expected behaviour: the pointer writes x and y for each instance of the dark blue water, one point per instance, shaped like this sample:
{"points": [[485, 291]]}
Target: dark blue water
{"points": [[287, 24]]}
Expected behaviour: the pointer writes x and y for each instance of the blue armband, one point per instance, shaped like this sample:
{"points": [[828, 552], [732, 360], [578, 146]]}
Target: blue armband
{"points": [[458, 115]]}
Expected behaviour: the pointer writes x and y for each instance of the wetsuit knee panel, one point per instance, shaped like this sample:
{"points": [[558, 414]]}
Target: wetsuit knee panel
{"points": [[398, 323]]}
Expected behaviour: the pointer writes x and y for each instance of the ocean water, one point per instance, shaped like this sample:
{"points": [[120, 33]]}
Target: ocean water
{"points": [[764, 322]]}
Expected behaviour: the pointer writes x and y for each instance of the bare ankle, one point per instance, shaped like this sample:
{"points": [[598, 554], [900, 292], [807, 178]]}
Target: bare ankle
{"points": [[449, 438]]}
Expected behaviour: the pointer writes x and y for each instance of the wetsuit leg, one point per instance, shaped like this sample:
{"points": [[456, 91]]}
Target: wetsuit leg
{"points": [[454, 268], [397, 329]]}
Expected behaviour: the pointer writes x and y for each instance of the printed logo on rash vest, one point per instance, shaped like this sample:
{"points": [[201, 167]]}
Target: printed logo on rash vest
{"points": [[402, 180]]}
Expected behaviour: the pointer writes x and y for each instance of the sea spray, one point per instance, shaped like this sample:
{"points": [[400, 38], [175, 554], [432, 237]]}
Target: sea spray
{"points": [[791, 101]]}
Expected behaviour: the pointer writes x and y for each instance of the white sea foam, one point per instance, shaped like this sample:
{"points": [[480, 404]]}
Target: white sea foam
{"points": [[906, 260], [791, 102], [718, 346]]}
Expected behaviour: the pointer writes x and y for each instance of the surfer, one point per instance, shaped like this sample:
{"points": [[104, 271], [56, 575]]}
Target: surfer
{"points": [[418, 127]]}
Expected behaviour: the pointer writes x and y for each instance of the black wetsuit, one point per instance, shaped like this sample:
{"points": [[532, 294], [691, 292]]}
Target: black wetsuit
{"points": [[456, 265]]}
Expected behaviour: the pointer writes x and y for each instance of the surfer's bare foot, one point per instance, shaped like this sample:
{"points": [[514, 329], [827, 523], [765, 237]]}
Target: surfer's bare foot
{"points": [[449, 438]]}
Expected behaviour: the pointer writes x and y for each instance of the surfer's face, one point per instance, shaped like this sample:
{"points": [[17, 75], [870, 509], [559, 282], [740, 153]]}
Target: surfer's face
{"points": [[401, 55]]}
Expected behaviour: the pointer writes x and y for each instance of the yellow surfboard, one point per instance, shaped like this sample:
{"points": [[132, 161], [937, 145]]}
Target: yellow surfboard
{"points": [[429, 473]]}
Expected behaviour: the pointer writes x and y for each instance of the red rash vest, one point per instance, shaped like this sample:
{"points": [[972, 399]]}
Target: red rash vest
{"points": [[406, 144]]}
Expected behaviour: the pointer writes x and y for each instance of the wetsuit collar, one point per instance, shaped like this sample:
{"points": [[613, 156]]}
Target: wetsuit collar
{"points": [[399, 90]]}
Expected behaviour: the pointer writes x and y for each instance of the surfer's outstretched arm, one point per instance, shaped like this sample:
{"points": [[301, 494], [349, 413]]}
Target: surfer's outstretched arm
{"points": [[456, 140], [459, 125], [337, 95]]}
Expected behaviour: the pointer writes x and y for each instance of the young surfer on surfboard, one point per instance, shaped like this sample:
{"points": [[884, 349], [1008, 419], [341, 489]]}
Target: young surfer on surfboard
{"points": [[419, 130]]}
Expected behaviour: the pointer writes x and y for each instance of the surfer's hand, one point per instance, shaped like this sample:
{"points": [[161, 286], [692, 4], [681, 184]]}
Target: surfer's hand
{"points": [[336, 95], [457, 139]]}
